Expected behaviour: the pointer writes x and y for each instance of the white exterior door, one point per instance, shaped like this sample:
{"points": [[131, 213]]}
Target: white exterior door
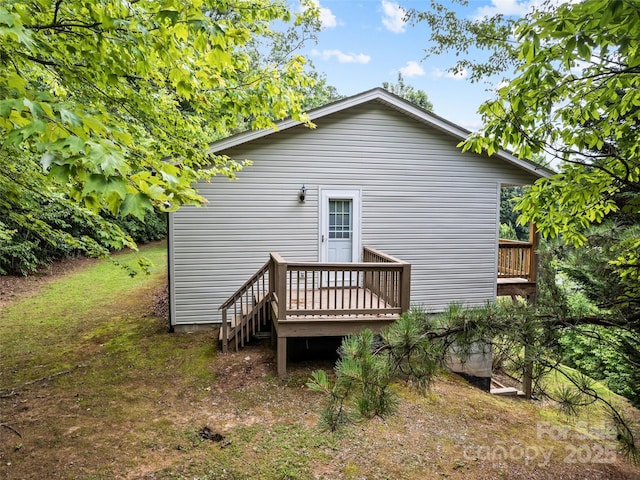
{"points": [[340, 226], [340, 238]]}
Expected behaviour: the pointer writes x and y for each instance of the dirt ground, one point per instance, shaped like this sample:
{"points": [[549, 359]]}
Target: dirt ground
{"points": [[428, 434]]}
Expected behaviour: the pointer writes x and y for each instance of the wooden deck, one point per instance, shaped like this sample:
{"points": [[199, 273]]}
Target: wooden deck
{"points": [[311, 303], [343, 302], [518, 267], [522, 287], [336, 299], [309, 299]]}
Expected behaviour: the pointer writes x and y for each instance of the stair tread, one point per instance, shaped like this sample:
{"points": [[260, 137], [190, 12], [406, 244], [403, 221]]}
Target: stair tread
{"points": [[506, 391], [237, 321], [234, 322]]}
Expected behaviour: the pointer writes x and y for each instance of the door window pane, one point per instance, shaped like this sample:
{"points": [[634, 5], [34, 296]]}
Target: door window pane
{"points": [[340, 219]]}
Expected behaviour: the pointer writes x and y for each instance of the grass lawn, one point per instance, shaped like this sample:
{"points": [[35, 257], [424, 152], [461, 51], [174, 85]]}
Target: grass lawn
{"points": [[93, 387]]}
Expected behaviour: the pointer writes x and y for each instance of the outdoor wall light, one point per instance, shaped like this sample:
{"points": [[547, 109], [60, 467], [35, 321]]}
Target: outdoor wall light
{"points": [[302, 193]]}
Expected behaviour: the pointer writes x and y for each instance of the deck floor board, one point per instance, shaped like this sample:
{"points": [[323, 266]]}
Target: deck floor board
{"points": [[361, 302]]}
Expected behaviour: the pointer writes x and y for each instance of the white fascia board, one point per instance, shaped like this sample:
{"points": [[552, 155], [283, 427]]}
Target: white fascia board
{"points": [[320, 112]]}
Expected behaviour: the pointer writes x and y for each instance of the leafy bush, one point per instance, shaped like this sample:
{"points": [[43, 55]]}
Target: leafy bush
{"points": [[154, 227], [65, 230], [603, 354], [508, 232], [18, 256], [509, 218], [600, 302]]}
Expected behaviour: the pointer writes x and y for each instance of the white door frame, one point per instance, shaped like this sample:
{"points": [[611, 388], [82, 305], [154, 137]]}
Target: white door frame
{"points": [[326, 194]]}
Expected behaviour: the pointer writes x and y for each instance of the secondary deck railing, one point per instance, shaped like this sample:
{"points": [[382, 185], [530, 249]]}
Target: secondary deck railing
{"points": [[379, 285], [516, 260]]}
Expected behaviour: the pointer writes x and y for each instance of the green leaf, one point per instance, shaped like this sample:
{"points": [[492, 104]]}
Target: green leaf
{"points": [[7, 18], [35, 127], [70, 118], [9, 105], [584, 51], [93, 125], [135, 204]]}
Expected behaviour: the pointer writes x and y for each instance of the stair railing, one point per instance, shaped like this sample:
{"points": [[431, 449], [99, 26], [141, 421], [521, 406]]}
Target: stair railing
{"points": [[246, 306]]}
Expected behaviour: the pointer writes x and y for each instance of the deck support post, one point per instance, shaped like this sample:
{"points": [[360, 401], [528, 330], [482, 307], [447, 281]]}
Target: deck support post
{"points": [[527, 375], [405, 287], [534, 240], [225, 336], [279, 277], [527, 370], [282, 356]]}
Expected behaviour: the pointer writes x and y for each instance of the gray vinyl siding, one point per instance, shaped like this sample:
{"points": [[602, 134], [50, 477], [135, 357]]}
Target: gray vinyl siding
{"points": [[422, 200]]}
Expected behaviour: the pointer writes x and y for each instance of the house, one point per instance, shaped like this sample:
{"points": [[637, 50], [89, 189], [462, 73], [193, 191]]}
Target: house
{"points": [[345, 225]]}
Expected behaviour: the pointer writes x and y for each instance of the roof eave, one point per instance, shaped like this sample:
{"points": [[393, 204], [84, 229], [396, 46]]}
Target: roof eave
{"points": [[380, 95]]}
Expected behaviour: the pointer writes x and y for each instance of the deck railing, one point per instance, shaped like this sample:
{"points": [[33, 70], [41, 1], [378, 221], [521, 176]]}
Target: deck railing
{"points": [[380, 285], [516, 259], [377, 286], [387, 283]]}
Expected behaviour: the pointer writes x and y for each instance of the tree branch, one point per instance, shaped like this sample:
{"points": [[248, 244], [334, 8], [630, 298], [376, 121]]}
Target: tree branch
{"points": [[56, 10], [65, 26], [9, 427]]}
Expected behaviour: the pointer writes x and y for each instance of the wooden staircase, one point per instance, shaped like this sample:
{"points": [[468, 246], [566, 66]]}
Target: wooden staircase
{"points": [[246, 311]]}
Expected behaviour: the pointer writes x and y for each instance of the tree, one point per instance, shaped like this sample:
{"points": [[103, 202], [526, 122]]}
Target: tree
{"points": [[573, 96], [419, 97], [320, 93], [509, 226], [109, 106], [605, 344], [277, 50], [415, 347]]}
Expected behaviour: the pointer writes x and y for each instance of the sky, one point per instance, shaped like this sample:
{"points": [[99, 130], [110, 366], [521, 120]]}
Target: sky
{"points": [[366, 42]]}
